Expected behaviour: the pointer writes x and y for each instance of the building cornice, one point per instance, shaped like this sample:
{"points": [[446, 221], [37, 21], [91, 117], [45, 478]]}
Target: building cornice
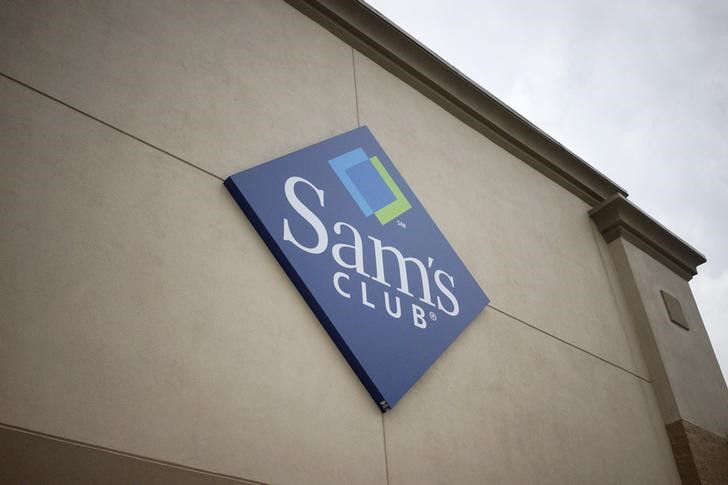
{"points": [[372, 34], [618, 217], [366, 30]]}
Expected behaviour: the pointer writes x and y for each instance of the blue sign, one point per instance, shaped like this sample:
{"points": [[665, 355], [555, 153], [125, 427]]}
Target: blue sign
{"points": [[366, 256]]}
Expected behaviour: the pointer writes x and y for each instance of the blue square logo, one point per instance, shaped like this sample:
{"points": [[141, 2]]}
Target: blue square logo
{"points": [[371, 185], [365, 255]]}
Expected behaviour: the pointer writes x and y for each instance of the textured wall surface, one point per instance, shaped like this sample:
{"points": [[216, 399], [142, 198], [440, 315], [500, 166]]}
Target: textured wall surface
{"points": [[142, 313], [27, 457], [702, 456], [692, 383]]}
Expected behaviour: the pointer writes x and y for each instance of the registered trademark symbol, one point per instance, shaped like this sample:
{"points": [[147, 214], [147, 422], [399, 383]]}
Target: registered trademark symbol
{"points": [[433, 316]]}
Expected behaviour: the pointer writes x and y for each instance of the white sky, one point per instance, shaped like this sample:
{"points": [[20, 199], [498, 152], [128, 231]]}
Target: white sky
{"points": [[639, 89]]}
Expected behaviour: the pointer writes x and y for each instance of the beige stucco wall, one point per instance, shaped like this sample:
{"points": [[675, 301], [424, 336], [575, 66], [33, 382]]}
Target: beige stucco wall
{"points": [[688, 380], [142, 313]]}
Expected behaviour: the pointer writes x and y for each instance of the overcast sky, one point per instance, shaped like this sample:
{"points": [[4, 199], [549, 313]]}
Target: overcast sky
{"points": [[639, 89]]}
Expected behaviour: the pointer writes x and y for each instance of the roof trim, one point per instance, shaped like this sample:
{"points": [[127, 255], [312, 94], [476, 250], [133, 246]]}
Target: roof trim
{"points": [[368, 31], [618, 217], [372, 34]]}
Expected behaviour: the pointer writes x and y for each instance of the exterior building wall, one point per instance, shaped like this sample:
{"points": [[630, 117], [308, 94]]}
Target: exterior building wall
{"points": [[688, 383], [689, 363], [701, 456], [528, 241], [143, 314]]}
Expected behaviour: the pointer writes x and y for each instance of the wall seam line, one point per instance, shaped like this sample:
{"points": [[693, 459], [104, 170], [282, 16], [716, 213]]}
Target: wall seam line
{"points": [[358, 124], [125, 454], [109, 125], [569, 344], [356, 89], [386, 460]]}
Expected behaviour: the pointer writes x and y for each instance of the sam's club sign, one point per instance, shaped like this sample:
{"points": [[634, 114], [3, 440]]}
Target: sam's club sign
{"points": [[367, 258]]}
